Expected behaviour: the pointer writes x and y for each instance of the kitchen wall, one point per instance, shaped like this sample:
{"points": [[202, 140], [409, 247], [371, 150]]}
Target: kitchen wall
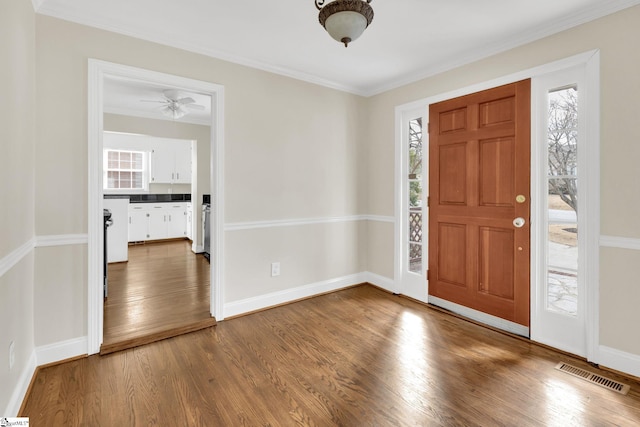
{"points": [[292, 151], [17, 120], [616, 36], [178, 130]]}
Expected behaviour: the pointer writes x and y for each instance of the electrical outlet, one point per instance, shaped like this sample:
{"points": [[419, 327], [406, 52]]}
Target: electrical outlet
{"points": [[12, 355], [275, 269]]}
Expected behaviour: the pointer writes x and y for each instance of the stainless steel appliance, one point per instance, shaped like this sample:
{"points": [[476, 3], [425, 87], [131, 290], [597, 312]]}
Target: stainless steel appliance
{"points": [[106, 215], [206, 225]]}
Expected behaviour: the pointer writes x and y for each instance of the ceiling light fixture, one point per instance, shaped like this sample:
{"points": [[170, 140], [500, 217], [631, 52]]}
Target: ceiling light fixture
{"points": [[345, 20], [174, 110]]}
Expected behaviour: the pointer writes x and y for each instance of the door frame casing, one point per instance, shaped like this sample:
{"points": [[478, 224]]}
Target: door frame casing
{"points": [[97, 70], [591, 61]]}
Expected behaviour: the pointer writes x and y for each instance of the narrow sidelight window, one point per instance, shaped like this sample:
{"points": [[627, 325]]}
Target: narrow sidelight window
{"points": [[562, 202], [415, 195]]}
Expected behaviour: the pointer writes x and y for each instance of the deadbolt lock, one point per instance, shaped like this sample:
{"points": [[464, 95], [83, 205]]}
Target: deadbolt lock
{"points": [[520, 198]]}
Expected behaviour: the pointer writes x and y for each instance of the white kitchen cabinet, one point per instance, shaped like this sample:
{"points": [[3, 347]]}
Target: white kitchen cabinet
{"points": [[162, 165], [189, 221], [182, 164], [156, 221], [170, 162], [177, 220], [117, 248], [138, 223]]}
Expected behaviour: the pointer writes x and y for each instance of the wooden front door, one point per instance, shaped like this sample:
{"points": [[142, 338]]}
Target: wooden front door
{"points": [[479, 173]]}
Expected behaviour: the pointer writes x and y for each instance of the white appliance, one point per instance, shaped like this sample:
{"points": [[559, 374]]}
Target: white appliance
{"points": [[117, 233]]}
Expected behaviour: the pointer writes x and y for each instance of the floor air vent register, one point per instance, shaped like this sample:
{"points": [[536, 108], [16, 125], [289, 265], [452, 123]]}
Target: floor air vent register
{"points": [[593, 378]]}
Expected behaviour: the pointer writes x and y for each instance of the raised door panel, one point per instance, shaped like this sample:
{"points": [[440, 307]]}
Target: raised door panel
{"points": [[162, 165], [182, 163], [497, 166], [158, 228], [177, 221], [452, 165], [189, 230], [138, 228]]}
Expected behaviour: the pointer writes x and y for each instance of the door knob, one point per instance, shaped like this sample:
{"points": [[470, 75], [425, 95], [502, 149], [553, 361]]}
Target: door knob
{"points": [[518, 222]]}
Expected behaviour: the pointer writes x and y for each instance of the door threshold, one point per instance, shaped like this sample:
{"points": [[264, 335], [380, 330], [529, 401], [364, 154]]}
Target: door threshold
{"points": [[156, 336], [478, 316]]}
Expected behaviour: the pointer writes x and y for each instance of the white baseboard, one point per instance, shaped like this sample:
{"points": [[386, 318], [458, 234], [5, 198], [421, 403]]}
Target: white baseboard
{"points": [[20, 391], [61, 350], [478, 316], [380, 281], [248, 305], [619, 360]]}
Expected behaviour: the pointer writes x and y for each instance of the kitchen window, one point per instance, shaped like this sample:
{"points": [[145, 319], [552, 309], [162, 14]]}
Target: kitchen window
{"points": [[124, 170]]}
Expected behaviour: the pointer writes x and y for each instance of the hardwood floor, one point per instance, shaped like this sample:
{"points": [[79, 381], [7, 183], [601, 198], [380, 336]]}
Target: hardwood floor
{"points": [[358, 357], [163, 291]]}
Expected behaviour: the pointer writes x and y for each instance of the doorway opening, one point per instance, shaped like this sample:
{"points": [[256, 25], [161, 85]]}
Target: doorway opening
{"points": [[99, 73]]}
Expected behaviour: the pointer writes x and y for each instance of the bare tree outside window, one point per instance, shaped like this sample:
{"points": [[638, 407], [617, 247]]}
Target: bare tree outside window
{"points": [[415, 162], [415, 195], [563, 145], [562, 139]]}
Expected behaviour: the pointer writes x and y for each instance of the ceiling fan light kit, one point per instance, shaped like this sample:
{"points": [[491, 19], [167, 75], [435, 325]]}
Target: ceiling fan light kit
{"points": [[345, 20], [176, 107], [174, 111]]}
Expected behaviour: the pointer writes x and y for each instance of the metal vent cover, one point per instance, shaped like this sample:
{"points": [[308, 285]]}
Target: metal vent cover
{"points": [[605, 382]]}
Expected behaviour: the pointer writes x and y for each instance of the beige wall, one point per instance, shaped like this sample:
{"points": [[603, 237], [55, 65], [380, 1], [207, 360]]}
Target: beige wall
{"points": [[177, 130], [291, 152], [17, 86], [322, 251], [616, 36]]}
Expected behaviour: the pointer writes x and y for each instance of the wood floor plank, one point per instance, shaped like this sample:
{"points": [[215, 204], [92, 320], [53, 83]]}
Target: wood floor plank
{"points": [[161, 292], [352, 358]]}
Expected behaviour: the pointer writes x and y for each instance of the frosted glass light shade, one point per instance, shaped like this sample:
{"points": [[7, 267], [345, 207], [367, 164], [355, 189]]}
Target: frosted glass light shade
{"points": [[346, 26], [345, 20], [174, 111]]}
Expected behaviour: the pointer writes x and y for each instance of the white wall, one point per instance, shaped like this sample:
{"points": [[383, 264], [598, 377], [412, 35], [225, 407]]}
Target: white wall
{"points": [[616, 36], [17, 86]]}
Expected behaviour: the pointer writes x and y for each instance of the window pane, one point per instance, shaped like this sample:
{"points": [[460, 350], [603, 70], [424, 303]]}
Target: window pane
{"points": [[415, 258], [125, 179], [414, 197], [137, 161], [136, 180], [112, 179], [562, 284], [415, 149], [113, 159]]}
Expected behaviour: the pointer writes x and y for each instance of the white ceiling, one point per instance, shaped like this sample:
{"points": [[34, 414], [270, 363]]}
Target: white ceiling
{"points": [[132, 98], [407, 40]]}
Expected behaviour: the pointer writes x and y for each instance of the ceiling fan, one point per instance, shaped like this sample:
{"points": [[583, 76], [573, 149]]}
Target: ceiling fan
{"points": [[174, 106]]}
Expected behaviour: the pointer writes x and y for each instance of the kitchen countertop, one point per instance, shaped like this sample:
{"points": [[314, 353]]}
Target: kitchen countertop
{"points": [[151, 198]]}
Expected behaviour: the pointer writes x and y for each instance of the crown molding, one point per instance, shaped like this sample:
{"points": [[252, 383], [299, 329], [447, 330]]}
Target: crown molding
{"points": [[54, 12], [603, 8], [600, 10]]}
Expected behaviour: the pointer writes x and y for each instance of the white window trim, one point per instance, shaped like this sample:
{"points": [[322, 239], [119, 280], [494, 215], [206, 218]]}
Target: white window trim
{"points": [[145, 173]]}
